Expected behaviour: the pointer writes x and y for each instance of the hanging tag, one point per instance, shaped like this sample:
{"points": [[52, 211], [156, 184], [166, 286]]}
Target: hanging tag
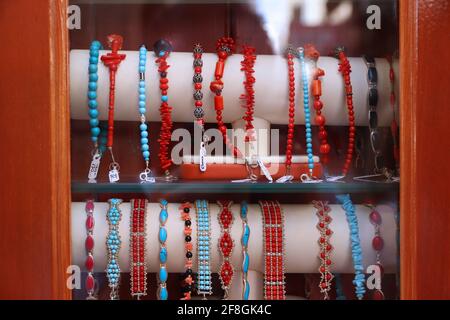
{"points": [[304, 178], [334, 179], [264, 169], [284, 179], [202, 155], [114, 175], [147, 176], [93, 169]]}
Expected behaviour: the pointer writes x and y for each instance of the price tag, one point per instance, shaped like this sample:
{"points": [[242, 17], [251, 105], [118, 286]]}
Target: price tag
{"points": [[202, 155], [93, 169], [114, 175], [264, 169], [284, 179], [242, 181]]}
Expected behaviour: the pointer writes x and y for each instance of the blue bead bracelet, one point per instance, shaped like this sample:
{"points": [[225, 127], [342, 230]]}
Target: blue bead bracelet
{"points": [[162, 293], [245, 255]]}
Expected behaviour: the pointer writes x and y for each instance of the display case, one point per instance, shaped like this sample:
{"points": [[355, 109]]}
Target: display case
{"points": [[244, 150]]}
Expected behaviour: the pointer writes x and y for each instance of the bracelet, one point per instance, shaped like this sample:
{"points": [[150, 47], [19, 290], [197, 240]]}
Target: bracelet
{"points": [[187, 281], [290, 53], [162, 293], [273, 230], [309, 150], [93, 109], [199, 112], [204, 284], [352, 221], [248, 97], [89, 245], [339, 290], [112, 60], [113, 244], [225, 47], [162, 49], [377, 245], [325, 246], [225, 244], [345, 70], [138, 237], [245, 255], [394, 124], [146, 175], [316, 89]]}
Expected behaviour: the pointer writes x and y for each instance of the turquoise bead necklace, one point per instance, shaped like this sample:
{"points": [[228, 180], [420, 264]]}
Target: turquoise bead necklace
{"points": [[309, 149], [146, 175], [162, 293]]}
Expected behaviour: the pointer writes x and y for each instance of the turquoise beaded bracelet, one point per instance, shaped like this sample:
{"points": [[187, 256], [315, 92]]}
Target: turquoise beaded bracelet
{"points": [[245, 255], [359, 280], [113, 244], [162, 293], [204, 284]]}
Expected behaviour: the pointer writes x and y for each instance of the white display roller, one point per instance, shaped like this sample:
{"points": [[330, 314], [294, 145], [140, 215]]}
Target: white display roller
{"points": [[271, 88], [301, 236]]}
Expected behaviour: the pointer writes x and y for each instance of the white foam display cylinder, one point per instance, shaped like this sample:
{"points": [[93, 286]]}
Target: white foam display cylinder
{"points": [[271, 88], [301, 236]]}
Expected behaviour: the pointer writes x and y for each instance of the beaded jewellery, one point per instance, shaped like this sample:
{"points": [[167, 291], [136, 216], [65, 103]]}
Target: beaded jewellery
{"points": [[162, 50], [325, 246], [377, 245], [93, 110], [225, 245], [112, 60], [245, 255], [113, 244], [146, 175], [394, 124], [162, 293], [345, 70], [273, 230], [199, 112], [138, 267], [89, 245], [357, 257], [188, 281], [204, 284]]}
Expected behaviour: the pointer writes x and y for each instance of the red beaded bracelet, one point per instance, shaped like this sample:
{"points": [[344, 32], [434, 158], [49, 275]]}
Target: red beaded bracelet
{"points": [[273, 229], [290, 54], [325, 247], [188, 281], [248, 97], [225, 47], [377, 245], [316, 89], [89, 245], [162, 50], [112, 60], [226, 244], [138, 266], [345, 70]]}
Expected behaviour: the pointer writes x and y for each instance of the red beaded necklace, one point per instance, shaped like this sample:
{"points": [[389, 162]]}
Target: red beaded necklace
{"points": [[249, 96], [162, 50], [345, 70], [225, 47], [290, 53], [316, 89]]}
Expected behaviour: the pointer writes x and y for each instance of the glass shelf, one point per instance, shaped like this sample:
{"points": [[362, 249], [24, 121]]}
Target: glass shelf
{"points": [[227, 187]]}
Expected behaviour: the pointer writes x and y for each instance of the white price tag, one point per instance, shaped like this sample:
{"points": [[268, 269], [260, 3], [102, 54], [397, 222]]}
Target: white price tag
{"points": [[93, 169], [284, 179], [264, 170], [114, 175], [202, 155]]}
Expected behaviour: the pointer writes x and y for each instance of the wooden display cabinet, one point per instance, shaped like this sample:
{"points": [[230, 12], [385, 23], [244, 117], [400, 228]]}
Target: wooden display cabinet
{"points": [[35, 243]]}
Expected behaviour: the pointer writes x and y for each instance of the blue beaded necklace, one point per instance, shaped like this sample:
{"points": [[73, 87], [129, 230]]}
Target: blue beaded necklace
{"points": [[309, 150], [93, 109], [162, 293], [146, 175], [357, 257]]}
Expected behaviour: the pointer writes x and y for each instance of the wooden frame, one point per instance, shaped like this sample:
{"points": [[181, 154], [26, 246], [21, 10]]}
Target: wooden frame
{"points": [[35, 228]]}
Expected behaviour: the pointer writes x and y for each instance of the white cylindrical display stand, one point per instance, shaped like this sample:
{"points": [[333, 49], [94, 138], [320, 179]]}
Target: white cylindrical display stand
{"points": [[271, 88], [301, 236]]}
